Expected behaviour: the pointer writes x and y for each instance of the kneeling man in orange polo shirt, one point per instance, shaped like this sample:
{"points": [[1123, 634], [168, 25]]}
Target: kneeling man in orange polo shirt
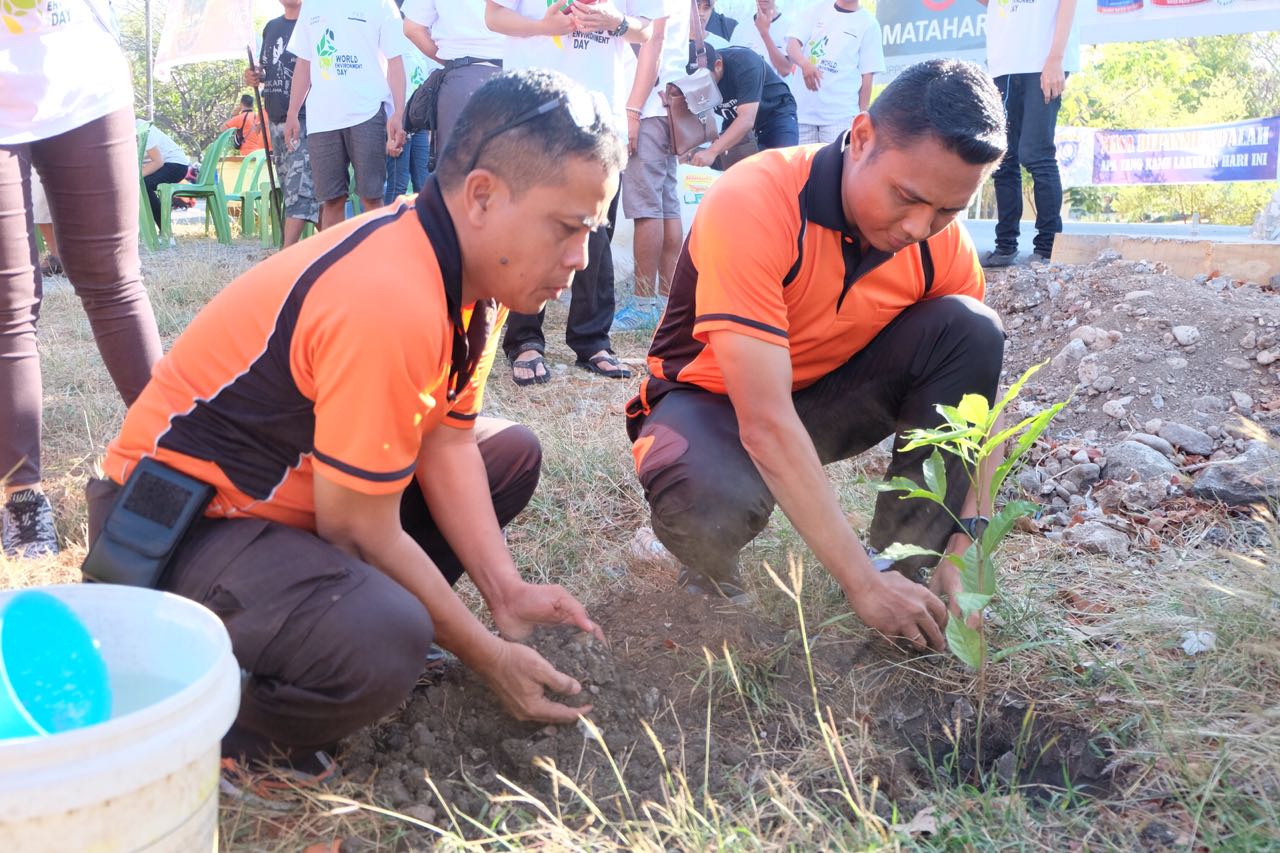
{"points": [[825, 300], [329, 399]]}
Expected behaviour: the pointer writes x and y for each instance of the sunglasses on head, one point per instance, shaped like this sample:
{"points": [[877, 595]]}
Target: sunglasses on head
{"points": [[582, 106]]}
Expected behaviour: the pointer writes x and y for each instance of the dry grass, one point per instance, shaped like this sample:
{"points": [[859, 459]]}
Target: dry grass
{"points": [[1199, 737]]}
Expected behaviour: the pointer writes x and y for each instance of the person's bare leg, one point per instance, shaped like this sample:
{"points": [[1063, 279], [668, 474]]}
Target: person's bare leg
{"points": [[332, 212], [371, 203], [648, 247], [672, 240], [293, 231]]}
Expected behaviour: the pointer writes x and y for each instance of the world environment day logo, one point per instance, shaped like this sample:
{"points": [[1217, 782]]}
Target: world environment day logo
{"points": [[325, 49], [818, 49], [12, 10]]}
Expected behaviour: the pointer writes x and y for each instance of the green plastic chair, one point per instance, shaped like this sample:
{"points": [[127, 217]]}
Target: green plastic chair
{"points": [[146, 222], [207, 187], [246, 188]]}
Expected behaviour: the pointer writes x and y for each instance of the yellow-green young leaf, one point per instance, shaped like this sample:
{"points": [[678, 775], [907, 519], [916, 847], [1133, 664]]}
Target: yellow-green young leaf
{"points": [[901, 551], [966, 643], [974, 408]]}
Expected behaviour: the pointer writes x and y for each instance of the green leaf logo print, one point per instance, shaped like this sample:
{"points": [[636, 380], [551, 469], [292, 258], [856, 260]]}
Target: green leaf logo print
{"points": [[325, 49], [12, 10], [818, 49]]}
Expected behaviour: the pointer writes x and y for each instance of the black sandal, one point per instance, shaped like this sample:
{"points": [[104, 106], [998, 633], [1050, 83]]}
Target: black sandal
{"points": [[531, 364], [593, 365]]}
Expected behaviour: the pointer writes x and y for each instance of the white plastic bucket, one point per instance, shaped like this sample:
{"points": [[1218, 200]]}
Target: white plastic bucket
{"points": [[147, 779]]}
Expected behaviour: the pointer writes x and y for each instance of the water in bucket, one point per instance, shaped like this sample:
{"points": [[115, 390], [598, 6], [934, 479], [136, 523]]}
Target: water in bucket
{"points": [[52, 676]]}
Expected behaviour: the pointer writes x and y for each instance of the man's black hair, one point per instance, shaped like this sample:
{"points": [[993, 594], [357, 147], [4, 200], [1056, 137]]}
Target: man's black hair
{"points": [[532, 152], [954, 102], [246, 101], [712, 56]]}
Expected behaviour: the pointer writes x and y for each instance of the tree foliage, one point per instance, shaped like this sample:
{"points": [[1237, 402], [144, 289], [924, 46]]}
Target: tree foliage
{"points": [[1175, 83], [196, 101]]}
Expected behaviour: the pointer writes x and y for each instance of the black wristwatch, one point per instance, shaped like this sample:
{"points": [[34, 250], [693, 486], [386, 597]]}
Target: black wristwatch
{"points": [[973, 527], [622, 28]]}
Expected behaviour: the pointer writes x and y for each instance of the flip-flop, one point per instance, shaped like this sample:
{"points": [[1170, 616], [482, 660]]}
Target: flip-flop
{"points": [[593, 365], [532, 365]]}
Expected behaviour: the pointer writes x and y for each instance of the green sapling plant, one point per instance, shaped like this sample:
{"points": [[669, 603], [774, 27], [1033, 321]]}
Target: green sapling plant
{"points": [[976, 432]]}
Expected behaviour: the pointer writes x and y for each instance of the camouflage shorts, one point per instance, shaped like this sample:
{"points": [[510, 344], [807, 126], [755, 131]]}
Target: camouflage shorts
{"points": [[293, 170]]}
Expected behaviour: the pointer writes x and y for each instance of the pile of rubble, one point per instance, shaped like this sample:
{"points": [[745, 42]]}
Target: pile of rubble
{"points": [[1174, 389]]}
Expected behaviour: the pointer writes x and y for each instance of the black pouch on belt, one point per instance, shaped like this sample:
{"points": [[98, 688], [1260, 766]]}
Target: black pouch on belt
{"points": [[146, 523]]}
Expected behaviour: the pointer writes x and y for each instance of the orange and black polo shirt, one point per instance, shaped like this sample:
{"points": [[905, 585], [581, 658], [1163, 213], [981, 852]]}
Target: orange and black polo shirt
{"points": [[771, 256], [333, 358]]}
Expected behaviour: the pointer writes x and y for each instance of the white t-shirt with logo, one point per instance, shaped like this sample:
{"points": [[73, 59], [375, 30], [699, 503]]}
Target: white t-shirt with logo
{"points": [[348, 43], [674, 59], [417, 67], [60, 68], [597, 61], [457, 27], [845, 45], [170, 151], [1020, 34], [746, 35]]}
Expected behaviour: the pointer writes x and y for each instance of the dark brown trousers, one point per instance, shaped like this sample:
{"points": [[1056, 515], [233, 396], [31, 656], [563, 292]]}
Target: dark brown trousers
{"points": [[327, 643], [706, 496], [90, 175]]}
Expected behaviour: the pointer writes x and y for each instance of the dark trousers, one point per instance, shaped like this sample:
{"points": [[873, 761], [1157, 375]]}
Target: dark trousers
{"points": [[590, 304], [90, 175], [1031, 124], [708, 499], [778, 130], [169, 173], [328, 642]]}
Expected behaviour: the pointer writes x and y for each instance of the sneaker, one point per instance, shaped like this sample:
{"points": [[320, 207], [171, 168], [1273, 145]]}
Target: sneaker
{"points": [[637, 317], [26, 526], [729, 588], [997, 258]]}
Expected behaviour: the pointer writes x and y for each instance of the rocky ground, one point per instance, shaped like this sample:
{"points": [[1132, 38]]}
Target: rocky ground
{"points": [[1175, 391]]}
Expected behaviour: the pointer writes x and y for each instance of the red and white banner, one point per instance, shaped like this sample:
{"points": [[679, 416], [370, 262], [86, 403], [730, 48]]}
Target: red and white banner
{"points": [[204, 30]]}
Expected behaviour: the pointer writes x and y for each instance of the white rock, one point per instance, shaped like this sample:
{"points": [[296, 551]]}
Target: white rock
{"points": [[1249, 341], [1175, 362], [1070, 354], [1114, 409], [1131, 457], [1186, 335], [1155, 442], [1138, 294], [1095, 537], [1241, 400], [1268, 356], [1088, 334], [1235, 363]]}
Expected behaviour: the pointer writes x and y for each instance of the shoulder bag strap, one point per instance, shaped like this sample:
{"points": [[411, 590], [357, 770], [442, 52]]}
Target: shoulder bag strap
{"points": [[700, 49]]}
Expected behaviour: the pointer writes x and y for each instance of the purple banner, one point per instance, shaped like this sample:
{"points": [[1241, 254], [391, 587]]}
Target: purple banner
{"points": [[1242, 151]]}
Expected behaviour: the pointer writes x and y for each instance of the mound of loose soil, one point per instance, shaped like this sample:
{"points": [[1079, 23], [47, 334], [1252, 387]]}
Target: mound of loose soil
{"points": [[655, 672]]}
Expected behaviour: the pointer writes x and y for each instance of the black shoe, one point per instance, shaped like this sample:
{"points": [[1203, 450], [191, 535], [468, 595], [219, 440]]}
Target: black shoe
{"points": [[997, 258], [26, 529], [729, 588]]}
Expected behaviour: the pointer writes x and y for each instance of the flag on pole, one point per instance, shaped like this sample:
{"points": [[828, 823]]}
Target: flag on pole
{"points": [[203, 30]]}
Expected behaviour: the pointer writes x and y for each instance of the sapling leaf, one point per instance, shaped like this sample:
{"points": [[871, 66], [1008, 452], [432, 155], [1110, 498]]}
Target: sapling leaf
{"points": [[926, 494], [935, 473], [966, 643], [897, 484], [974, 408], [1002, 522], [1016, 387], [901, 551], [1038, 425], [972, 602]]}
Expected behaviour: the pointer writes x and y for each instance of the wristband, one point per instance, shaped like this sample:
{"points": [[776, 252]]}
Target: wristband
{"points": [[622, 28], [973, 527]]}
